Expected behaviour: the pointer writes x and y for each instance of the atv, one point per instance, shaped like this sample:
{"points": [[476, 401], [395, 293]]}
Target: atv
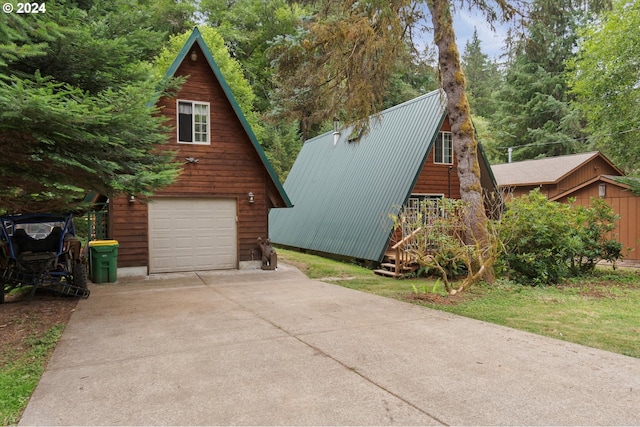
{"points": [[41, 251]]}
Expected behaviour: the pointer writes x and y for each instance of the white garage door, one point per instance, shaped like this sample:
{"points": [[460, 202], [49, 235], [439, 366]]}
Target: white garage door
{"points": [[192, 235]]}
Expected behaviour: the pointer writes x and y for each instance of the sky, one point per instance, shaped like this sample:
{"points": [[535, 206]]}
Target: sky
{"points": [[491, 41], [464, 21]]}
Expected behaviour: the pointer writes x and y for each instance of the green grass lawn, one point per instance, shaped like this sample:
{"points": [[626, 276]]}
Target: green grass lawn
{"points": [[599, 311], [19, 374]]}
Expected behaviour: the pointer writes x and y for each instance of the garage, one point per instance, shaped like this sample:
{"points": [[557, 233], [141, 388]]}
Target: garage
{"points": [[192, 234]]}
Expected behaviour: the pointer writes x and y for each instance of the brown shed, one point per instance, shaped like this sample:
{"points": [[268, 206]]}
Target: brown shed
{"points": [[579, 177], [212, 216]]}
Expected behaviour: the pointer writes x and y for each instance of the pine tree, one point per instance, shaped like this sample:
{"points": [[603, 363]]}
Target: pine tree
{"points": [[482, 76], [76, 105], [534, 114]]}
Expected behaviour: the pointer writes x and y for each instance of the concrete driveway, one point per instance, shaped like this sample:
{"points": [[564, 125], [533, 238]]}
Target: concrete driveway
{"points": [[275, 348]]}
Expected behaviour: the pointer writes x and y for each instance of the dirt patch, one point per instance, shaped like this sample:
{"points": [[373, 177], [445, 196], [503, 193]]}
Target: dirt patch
{"points": [[436, 299], [20, 319]]}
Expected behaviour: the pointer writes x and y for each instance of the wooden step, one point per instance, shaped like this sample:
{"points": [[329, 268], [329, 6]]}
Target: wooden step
{"points": [[385, 273]]}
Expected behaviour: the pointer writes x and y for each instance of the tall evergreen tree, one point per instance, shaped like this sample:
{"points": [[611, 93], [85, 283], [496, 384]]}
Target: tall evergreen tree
{"points": [[483, 78], [75, 110], [534, 113]]}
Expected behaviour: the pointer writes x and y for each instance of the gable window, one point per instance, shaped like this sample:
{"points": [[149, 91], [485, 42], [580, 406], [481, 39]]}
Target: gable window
{"points": [[193, 122], [443, 150]]}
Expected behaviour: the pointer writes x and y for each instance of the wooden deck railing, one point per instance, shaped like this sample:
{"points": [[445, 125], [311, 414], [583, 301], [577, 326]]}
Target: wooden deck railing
{"points": [[402, 256]]}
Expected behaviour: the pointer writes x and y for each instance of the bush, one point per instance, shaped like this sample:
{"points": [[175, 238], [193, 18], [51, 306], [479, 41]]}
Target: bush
{"points": [[546, 242], [594, 226]]}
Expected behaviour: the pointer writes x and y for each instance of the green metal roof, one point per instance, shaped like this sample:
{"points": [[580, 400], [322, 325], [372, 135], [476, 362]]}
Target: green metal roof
{"points": [[343, 193], [196, 37]]}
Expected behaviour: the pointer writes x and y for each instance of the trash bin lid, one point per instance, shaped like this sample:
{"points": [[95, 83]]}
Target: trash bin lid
{"points": [[103, 243]]}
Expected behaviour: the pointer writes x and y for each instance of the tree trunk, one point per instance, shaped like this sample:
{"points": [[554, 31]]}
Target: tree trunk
{"points": [[465, 146]]}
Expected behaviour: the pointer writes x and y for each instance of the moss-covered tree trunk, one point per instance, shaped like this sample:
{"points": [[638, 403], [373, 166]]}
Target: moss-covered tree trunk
{"points": [[465, 146]]}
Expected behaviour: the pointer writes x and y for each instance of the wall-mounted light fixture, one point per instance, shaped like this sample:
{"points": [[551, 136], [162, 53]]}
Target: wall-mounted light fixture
{"points": [[192, 160], [602, 190], [336, 131], [131, 198], [194, 56], [251, 199]]}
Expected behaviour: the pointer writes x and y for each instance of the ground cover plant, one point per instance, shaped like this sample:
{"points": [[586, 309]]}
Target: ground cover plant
{"points": [[29, 332], [597, 310]]}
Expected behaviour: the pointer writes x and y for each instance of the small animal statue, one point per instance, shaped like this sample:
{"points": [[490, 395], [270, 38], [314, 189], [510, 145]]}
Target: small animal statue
{"points": [[269, 255]]}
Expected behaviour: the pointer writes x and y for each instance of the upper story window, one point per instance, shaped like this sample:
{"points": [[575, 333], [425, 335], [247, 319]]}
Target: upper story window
{"points": [[443, 150], [193, 122]]}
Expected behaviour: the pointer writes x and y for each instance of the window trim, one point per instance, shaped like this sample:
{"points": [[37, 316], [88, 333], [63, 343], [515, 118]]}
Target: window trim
{"points": [[193, 122], [440, 140]]}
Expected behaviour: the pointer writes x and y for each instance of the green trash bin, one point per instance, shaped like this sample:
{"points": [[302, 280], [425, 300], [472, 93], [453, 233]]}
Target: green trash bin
{"points": [[103, 261]]}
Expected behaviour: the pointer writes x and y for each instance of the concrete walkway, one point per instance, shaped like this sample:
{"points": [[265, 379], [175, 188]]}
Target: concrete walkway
{"points": [[275, 348]]}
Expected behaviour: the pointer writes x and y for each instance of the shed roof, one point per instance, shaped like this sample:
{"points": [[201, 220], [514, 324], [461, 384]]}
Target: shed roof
{"points": [[548, 170], [196, 37], [343, 193]]}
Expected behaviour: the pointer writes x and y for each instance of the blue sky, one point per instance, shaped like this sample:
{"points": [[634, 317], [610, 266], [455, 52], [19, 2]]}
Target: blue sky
{"points": [[464, 22], [491, 41]]}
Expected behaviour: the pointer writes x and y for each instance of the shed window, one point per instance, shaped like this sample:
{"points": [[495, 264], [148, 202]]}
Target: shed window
{"points": [[443, 150], [193, 122]]}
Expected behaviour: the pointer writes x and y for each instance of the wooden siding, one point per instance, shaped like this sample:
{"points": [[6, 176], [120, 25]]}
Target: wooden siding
{"points": [[438, 178], [583, 183], [547, 190], [625, 204], [228, 167], [594, 167], [128, 225], [434, 179]]}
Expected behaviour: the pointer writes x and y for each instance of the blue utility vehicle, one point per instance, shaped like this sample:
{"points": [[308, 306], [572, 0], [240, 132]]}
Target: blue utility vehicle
{"points": [[42, 251]]}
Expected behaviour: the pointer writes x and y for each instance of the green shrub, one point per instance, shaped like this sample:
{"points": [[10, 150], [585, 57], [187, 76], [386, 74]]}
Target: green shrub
{"points": [[594, 227], [546, 242]]}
